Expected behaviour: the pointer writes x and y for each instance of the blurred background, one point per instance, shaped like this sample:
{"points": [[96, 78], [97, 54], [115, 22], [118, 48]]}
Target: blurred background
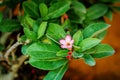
{"points": [[106, 68]]}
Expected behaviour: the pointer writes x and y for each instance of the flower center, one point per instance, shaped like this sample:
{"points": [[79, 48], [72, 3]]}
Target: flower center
{"points": [[68, 44]]}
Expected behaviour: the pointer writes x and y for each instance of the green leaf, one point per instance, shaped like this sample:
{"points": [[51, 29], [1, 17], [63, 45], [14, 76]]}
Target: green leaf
{"points": [[62, 53], [56, 74], [29, 21], [24, 49], [43, 9], [116, 8], [30, 34], [96, 11], [66, 23], [102, 50], [102, 35], [1, 16], [41, 29], [78, 6], [57, 9], [8, 25], [56, 31], [77, 37], [37, 24], [43, 51], [47, 64], [94, 29], [77, 55], [89, 60], [23, 38], [31, 9], [88, 43], [109, 15]]}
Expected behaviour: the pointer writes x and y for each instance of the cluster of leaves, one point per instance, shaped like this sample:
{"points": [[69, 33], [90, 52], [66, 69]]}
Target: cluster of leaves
{"points": [[42, 26]]}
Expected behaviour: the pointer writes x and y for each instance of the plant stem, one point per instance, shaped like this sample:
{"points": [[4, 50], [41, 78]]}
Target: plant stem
{"points": [[14, 46]]}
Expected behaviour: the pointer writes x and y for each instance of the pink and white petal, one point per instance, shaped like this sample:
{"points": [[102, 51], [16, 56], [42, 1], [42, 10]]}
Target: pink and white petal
{"points": [[62, 41], [71, 42], [68, 38], [63, 46], [69, 47]]}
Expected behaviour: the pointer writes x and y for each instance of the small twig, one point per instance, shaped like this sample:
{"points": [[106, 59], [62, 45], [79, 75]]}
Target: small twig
{"points": [[6, 66], [10, 50], [1, 57], [10, 43], [14, 68], [13, 55], [21, 59]]}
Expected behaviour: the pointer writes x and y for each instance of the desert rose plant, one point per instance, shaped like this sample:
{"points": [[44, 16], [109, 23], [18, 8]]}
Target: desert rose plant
{"points": [[50, 33]]}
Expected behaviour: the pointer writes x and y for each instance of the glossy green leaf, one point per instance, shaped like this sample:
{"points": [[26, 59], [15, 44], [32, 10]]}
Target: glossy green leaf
{"points": [[43, 9], [66, 23], [30, 34], [9, 25], [77, 55], [37, 24], [47, 64], [77, 37], [29, 21], [24, 49], [56, 74], [78, 6], [116, 8], [102, 50], [88, 43], [43, 51], [55, 31], [96, 11], [101, 35], [109, 15], [89, 60], [23, 38], [94, 29], [57, 9], [31, 9], [41, 29], [62, 53]]}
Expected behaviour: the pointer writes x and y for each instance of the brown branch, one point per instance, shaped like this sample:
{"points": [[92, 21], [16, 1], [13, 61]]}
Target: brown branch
{"points": [[21, 60], [14, 68], [13, 47]]}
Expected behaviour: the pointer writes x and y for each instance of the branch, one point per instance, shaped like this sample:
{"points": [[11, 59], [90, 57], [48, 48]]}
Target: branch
{"points": [[12, 48]]}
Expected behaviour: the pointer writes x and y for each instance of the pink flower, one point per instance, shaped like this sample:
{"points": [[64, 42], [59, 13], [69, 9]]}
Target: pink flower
{"points": [[67, 42]]}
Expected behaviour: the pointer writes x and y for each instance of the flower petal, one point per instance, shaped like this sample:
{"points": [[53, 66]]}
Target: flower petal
{"points": [[69, 47], [62, 41], [63, 46], [68, 38], [72, 41]]}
